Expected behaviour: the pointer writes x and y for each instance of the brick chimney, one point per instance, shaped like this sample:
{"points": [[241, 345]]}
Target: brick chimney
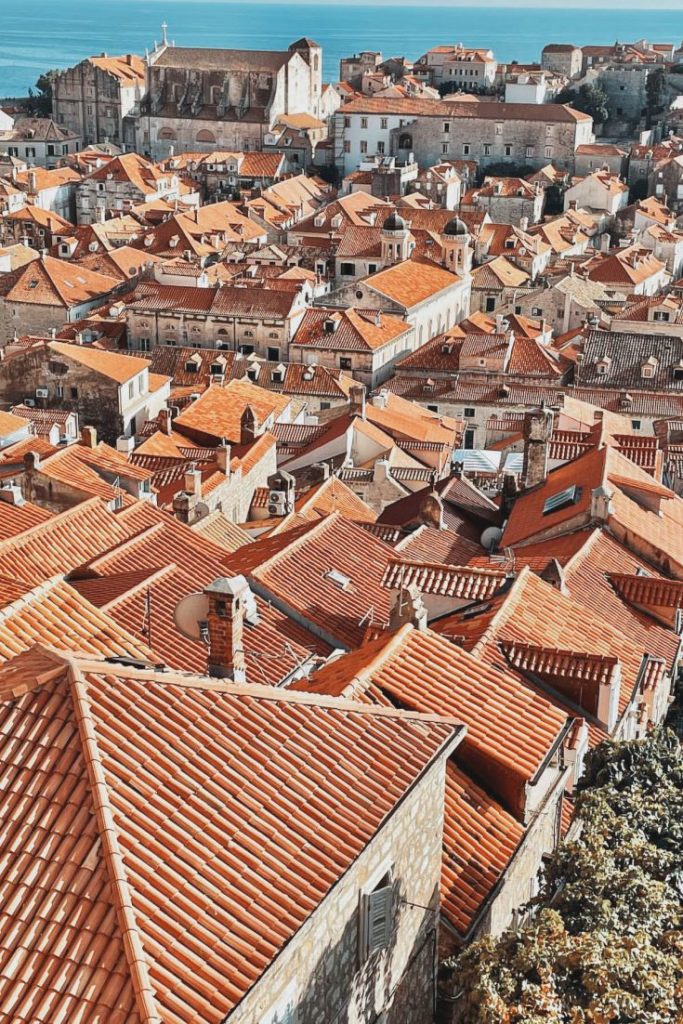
{"points": [[89, 437], [165, 421], [223, 457], [538, 428], [357, 400], [227, 601]]}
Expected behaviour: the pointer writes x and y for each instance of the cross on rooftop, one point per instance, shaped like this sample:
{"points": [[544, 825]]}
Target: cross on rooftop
{"points": [[164, 29]]}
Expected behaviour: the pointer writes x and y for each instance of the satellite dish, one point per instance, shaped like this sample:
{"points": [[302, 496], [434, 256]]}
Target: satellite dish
{"points": [[191, 615], [491, 537]]}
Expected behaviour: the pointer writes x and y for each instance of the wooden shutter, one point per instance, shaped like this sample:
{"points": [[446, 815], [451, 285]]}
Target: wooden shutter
{"points": [[380, 908]]}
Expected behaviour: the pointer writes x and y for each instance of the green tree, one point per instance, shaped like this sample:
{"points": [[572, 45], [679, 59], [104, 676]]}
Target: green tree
{"points": [[589, 99], [40, 98], [655, 91], [606, 941]]}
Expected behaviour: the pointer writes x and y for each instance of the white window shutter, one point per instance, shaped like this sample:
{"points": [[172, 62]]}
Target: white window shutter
{"points": [[380, 907]]}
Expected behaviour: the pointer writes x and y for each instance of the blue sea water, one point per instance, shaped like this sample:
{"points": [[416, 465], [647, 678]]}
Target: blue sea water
{"points": [[42, 34]]}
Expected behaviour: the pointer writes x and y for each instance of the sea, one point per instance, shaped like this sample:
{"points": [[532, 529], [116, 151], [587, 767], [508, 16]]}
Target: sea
{"points": [[38, 35]]}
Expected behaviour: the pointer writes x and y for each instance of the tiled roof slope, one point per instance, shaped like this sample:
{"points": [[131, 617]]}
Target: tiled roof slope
{"points": [[479, 839], [294, 569], [15, 519], [510, 727], [61, 543], [110, 866]]}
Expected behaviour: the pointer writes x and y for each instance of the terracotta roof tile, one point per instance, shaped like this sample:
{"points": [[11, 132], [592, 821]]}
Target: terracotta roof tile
{"points": [[510, 726], [132, 828], [480, 838]]}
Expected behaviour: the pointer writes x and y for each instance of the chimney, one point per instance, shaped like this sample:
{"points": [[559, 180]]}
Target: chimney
{"points": [[223, 457], [192, 481], [523, 223], [165, 421], [10, 493], [248, 426], [32, 181], [381, 399], [608, 698], [538, 428], [572, 204], [227, 599], [89, 437], [408, 606], [601, 507], [125, 445], [357, 400]]}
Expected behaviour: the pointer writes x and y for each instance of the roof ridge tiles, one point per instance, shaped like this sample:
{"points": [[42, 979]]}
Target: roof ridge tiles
{"points": [[83, 663], [111, 853]]}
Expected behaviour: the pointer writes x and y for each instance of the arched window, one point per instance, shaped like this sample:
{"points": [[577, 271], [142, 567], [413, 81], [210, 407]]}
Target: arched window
{"points": [[405, 141], [316, 62], [167, 134], [206, 137]]}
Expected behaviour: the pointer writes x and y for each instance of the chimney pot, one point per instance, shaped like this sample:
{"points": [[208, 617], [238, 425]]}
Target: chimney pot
{"points": [[227, 604]]}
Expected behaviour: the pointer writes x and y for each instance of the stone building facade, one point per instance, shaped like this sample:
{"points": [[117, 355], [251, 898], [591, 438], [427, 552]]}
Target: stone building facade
{"points": [[562, 58], [201, 99], [98, 98], [245, 320], [519, 133], [324, 975], [115, 402]]}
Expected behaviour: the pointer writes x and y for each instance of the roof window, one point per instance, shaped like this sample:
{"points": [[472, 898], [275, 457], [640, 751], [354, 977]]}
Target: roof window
{"points": [[563, 499], [338, 578]]}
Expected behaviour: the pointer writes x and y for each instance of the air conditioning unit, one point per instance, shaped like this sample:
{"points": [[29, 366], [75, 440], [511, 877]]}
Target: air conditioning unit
{"points": [[30, 402], [42, 393]]}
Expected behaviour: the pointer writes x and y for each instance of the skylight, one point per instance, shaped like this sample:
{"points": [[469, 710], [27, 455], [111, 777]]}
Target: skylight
{"points": [[562, 499], [338, 578]]}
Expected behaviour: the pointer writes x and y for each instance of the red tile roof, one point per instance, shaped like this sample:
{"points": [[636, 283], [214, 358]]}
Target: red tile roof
{"points": [[181, 875], [510, 726], [295, 568], [480, 838]]}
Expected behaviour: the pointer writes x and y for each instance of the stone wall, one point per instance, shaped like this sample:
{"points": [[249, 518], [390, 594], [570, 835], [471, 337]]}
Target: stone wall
{"points": [[318, 972]]}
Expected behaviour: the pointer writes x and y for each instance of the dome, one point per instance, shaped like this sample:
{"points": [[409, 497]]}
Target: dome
{"points": [[395, 222], [456, 227]]}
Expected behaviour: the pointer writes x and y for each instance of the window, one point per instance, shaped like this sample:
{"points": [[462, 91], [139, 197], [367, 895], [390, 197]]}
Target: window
{"points": [[372, 268], [508, 151], [536, 311], [490, 303], [325, 405], [636, 424], [245, 350], [487, 149], [50, 150], [499, 128], [347, 269], [363, 122], [444, 148], [363, 146], [446, 127], [347, 122], [432, 408], [345, 363], [131, 389], [73, 392], [273, 354], [468, 439], [563, 499], [548, 152], [466, 149], [661, 315], [381, 149], [384, 123], [60, 391], [529, 152], [347, 146], [376, 918], [469, 413]]}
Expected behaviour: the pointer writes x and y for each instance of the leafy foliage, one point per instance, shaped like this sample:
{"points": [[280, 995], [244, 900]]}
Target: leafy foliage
{"points": [[589, 99], [40, 98], [605, 946]]}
